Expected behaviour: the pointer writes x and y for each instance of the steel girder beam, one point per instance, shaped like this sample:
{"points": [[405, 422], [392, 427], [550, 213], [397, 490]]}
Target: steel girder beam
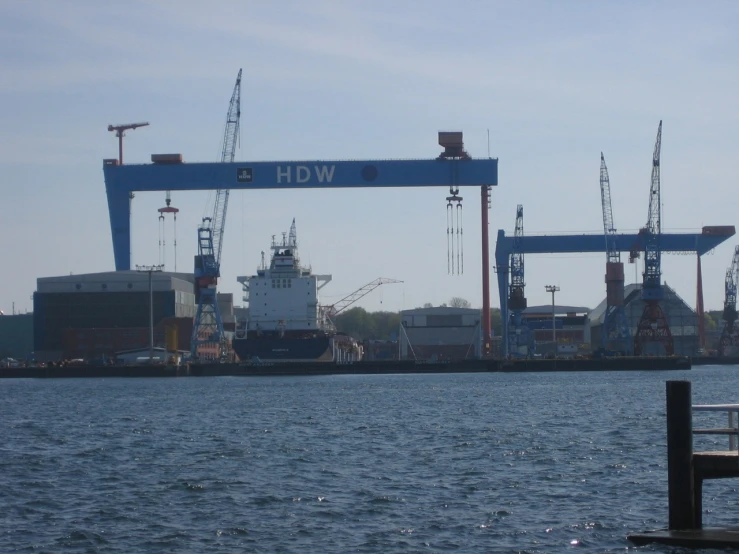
{"points": [[122, 180]]}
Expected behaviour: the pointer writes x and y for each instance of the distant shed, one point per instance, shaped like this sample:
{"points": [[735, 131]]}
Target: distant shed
{"points": [[440, 333]]}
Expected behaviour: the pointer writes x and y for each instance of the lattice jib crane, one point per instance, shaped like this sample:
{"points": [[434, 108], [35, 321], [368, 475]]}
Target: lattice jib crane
{"points": [[728, 333], [612, 252], [520, 335], [653, 325], [208, 324], [615, 335], [653, 254], [350, 299]]}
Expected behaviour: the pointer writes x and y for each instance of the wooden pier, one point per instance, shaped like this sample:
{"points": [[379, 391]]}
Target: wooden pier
{"points": [[686, 471]]}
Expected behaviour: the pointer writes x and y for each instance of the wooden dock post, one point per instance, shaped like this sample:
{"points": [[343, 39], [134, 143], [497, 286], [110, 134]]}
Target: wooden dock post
{"points": [[686, 471], [680, 480]]}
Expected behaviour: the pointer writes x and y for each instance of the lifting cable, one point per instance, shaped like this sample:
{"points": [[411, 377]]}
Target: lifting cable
{"points": [[161, 243], [449, 240], [455, 253], [460, 244], [175, 241]]}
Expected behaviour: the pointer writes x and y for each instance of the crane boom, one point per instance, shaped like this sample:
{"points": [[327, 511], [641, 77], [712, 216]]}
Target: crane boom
{"points": [[612, 252], [653, 325], [230, 137], [653, 229], [350, 299], [615, 335], [654, 223], [126, 126]]}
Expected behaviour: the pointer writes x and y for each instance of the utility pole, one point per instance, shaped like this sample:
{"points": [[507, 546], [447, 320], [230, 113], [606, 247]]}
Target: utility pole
{"points": [[150, 269], [553, 289]]}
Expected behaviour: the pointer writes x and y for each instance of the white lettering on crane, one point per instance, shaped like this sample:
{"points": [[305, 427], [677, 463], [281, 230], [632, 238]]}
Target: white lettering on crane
{"points": [[303, 174], [283, 173], [325, 173]]}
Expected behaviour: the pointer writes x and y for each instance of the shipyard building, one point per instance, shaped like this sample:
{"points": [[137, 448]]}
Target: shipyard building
{"points": [[559, 330], [99, 314], [439, 334], [16, 336]]}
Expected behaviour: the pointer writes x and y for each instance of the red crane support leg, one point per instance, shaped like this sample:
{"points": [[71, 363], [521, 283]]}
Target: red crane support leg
{"points": [[699, 308], [485, 192]]}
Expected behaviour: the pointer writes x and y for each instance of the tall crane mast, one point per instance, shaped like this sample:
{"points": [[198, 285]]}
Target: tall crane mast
{"points": [[615, 336], [728, 334], [653, 326], [519, 336], [208, 324]]}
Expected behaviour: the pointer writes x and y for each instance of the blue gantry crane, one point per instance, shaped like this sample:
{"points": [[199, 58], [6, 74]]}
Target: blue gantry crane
{"points": [[728, 333], [208, 324], [615, 335], [706, 240], [519, 340], [653, 325]]}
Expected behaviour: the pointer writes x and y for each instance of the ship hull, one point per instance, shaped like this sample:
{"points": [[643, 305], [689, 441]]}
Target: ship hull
{"points": [[269, 349]]}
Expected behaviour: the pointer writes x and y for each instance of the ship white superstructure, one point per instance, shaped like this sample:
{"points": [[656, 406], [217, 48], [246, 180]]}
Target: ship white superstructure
{"points": [[284, 295]]}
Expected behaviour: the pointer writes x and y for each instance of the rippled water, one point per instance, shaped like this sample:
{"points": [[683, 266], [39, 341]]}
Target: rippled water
{"points": [[391, 463]]}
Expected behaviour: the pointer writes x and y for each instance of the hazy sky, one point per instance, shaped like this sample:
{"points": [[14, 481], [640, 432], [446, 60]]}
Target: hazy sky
{"points": [[555, 83]]}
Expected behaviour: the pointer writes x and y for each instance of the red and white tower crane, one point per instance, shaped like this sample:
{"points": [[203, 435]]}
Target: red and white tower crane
{"points": [[120, 132]]}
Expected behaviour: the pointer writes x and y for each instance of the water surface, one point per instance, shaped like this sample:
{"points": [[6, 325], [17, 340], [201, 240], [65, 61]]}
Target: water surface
{"points": [[534, 462]]}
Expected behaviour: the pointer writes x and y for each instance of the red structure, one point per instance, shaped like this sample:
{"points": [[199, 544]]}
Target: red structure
{"points": [[485, 206], [700, 312], [120, 132]]}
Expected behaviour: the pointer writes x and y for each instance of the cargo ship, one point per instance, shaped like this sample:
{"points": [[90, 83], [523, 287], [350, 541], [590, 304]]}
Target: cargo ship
{"points": [[286, 322]]}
